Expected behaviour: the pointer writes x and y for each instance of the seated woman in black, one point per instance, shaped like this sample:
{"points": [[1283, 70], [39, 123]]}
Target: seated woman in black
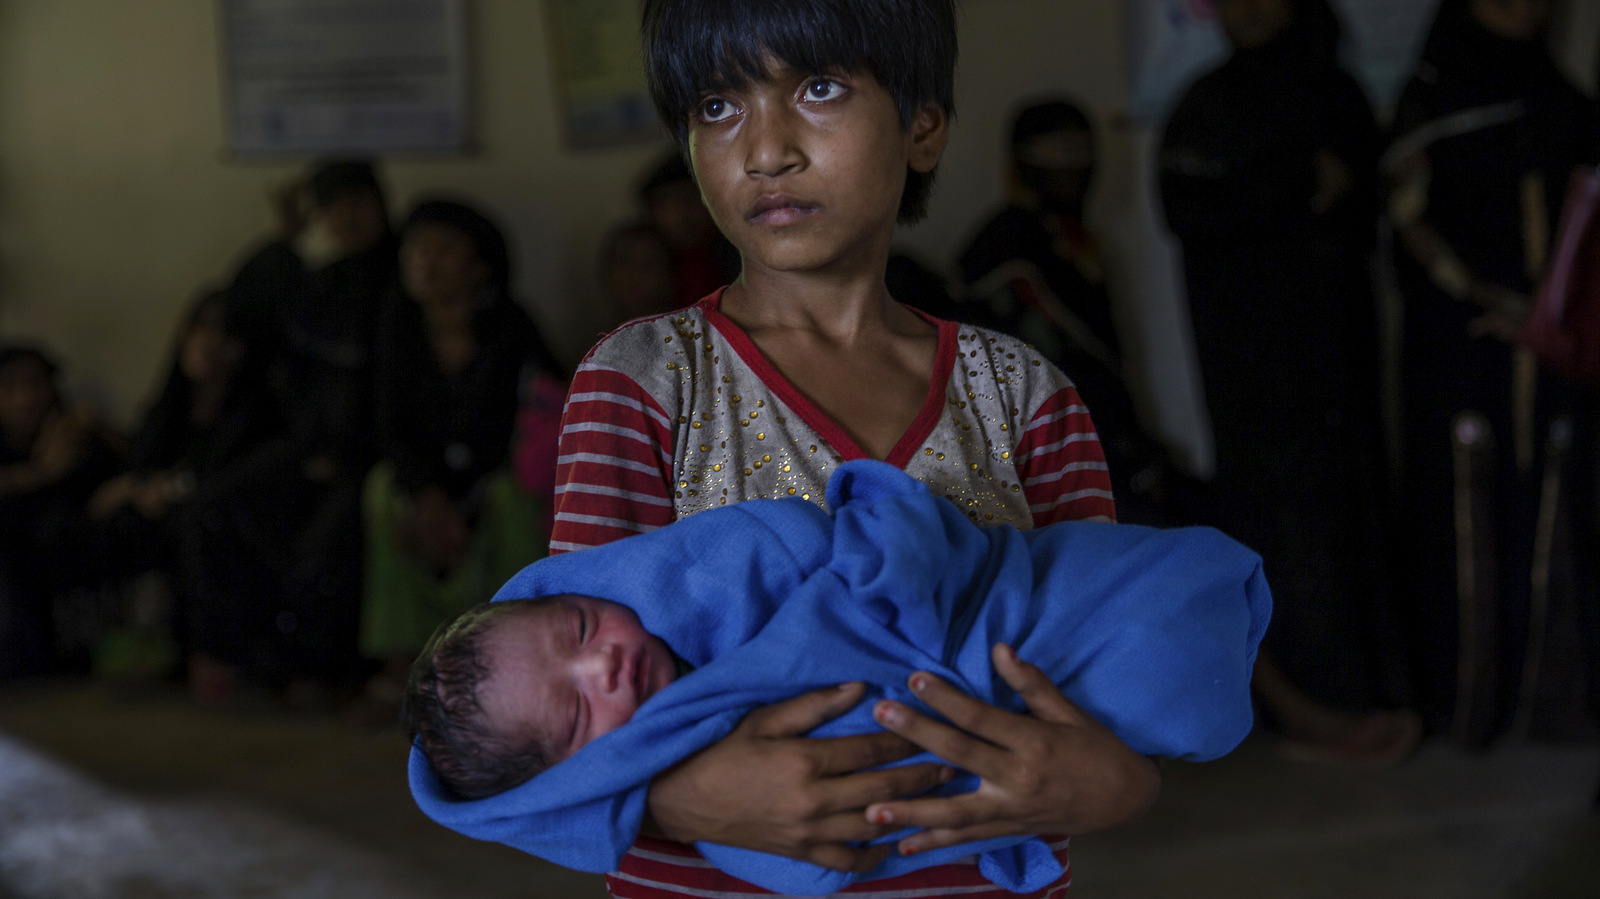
{"points": [[1034, 270], [446, 522], [52, 457], [212, 411]]}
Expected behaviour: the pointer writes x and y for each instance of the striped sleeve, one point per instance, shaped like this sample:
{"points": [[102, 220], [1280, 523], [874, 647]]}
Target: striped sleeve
{"points": [[614, 463], [655, 869], [1062, 465]]}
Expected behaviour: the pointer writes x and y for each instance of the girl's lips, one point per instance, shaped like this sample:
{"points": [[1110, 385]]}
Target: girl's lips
{"points": [[778, 211]]}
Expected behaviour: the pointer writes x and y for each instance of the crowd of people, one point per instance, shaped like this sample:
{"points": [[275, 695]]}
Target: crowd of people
{"points": [[356, 441]]}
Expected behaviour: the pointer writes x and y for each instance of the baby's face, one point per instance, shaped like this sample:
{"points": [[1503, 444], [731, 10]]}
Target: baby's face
{"points": [[572, 670]]}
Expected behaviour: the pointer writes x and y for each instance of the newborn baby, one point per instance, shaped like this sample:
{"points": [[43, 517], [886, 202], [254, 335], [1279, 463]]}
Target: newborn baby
{"points": [[513, 687], [541, 718]]}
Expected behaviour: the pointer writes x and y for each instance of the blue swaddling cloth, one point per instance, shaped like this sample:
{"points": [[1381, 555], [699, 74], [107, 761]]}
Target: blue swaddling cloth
{"points": [[1154, 633]]}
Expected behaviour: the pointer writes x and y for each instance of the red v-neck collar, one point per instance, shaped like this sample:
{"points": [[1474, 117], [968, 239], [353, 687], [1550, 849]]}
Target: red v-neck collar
{"points": [[828, 429]]}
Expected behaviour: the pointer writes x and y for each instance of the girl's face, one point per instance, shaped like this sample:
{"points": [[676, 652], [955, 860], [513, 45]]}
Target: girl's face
{"points": [[440, 265], [1518, 20], [209, 355], [27, 394], [803, 171], [1254, 23]]}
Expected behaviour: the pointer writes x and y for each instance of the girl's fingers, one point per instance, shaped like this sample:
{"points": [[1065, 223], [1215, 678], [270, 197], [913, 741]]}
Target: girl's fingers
{"points": [[1043, 697], [801, 714], [938, 839], [935, 813], [964, 750], [972, 715]]}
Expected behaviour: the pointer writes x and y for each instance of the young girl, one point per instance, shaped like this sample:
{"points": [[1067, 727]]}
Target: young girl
{"points": [[812, 131]]}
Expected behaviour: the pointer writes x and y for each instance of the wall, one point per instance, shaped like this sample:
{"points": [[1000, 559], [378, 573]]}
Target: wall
{"points": [[117, 202]]}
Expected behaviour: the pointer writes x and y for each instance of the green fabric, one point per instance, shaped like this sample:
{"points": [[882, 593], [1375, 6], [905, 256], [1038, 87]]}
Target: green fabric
{"points": [[404, 600]]}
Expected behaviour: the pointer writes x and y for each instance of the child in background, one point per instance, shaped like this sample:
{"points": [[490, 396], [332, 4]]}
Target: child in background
{"points": [[813, 129], [702, 259], [52, 458], [1153, 631], [636, 272]]}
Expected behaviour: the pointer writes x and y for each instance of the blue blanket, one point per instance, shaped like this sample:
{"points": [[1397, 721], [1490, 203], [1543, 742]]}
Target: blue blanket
{"points": [[1152, 632]]}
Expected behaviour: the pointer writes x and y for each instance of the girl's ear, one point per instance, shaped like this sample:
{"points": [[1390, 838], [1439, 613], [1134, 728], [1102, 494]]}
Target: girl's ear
{"points": [[930, 131]]}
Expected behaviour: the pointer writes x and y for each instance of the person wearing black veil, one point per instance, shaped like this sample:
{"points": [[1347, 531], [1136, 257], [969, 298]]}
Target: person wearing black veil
{"points": [[212, 411], [1034, 270], [280, 556], [1268, 173], [1486, 135]]}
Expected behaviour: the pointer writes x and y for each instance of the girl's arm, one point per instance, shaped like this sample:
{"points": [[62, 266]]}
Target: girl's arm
{"points": [[613, 461], [1061, 463]]}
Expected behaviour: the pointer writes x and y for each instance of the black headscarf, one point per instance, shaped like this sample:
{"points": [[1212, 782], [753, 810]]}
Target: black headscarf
{"points": [[486, 237], [1462, 51], [167, 437], [1315, 28]]}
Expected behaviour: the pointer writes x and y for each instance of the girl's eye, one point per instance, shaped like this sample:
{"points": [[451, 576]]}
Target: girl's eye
{"points": [[823, 89], [715, 110]]}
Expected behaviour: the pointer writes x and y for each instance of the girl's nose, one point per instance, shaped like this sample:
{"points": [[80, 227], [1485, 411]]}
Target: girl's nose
{"points": [[771, 148]]}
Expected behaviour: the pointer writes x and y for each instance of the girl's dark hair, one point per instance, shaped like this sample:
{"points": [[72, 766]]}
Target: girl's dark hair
{"points": [[695, 47], [443, 717]]}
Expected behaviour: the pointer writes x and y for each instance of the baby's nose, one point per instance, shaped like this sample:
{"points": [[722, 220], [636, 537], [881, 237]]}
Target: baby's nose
{"points": [[602, 666]]}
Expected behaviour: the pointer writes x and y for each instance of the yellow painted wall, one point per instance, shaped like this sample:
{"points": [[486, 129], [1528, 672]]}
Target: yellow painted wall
{"points": [[118, 203]]}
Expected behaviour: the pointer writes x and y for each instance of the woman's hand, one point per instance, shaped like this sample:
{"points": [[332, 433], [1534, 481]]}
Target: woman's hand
{"points": [[111, 496], [1056, 771], [1505, 311], [61, 445], [767, 787]]}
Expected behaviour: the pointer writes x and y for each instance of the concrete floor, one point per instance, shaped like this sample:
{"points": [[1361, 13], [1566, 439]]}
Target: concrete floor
{"points": [[107, 795]]}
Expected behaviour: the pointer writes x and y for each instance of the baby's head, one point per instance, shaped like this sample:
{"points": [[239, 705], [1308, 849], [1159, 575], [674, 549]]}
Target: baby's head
{"points": [[510, 688]]}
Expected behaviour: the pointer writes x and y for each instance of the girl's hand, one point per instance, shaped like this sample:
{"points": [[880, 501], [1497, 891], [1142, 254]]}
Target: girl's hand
{"points": [[765, 786], [1056, 771]]}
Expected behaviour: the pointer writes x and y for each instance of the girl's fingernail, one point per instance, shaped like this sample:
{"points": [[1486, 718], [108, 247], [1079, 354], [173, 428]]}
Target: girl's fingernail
{"points": [[919, 682], [887, 712], [882, 816], [908, 849], [947, 774]]}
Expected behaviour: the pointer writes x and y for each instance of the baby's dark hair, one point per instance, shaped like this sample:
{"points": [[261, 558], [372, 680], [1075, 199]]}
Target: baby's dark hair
{"points": [[443, 717], [696, 47]]}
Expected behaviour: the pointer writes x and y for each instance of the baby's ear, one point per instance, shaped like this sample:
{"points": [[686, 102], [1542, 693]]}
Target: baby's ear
{"points": [[930, 132]]}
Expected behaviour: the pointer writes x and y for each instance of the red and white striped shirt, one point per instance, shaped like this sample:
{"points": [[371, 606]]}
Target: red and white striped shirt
{"points": [[673, 415]]}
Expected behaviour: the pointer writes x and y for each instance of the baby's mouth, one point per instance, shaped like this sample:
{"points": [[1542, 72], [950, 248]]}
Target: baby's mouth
{"points": [[641, 675]]}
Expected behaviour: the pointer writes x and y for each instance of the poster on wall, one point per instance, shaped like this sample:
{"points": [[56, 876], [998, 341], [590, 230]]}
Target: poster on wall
{"points": [[1170, 43], [345, 76], [1173, 42], [599, 74]]}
